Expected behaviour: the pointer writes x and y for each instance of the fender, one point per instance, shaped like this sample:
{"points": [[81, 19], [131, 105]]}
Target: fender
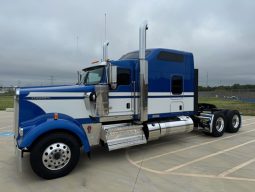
{"points": [[52, 125]]}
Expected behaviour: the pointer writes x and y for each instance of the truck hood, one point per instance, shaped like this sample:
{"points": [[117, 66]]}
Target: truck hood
{"points": [[23, 92], [38, 101]]}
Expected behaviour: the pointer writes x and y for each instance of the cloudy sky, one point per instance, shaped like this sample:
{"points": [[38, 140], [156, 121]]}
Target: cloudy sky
{"points": [[45, 41]]}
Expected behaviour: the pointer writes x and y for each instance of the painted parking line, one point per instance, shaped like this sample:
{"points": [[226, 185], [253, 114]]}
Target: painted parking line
{"points": [[223, 175], [236, 168], [187, 174], [198, 145], [6, 134], [212, 176], [208, 156], [184, 136]]}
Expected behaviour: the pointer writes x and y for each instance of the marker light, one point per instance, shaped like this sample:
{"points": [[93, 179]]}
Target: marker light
{"points": [[21, 132], [55, 116], [89, 129]]}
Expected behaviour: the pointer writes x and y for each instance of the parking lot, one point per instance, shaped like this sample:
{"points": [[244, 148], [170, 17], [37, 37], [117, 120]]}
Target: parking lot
{"points": [[183, 162]]}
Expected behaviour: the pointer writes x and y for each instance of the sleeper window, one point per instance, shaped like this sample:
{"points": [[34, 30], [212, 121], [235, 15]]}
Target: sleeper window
{"points": [[177, 85], [170, 57]]}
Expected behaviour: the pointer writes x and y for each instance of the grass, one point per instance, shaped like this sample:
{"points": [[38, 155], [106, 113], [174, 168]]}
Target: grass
{"points": [[6, 102], [244, 107]]}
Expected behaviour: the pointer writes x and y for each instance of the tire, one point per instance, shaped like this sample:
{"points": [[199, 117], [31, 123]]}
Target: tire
{"points": [[219, 124], [54, 155], [233, 121]]}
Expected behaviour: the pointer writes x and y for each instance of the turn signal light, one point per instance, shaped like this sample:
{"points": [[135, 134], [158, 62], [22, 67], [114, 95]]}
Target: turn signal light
{"points": [[89, 129], [55, 116]]}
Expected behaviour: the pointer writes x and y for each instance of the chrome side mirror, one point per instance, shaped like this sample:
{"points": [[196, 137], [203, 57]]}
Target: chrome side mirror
{"points": [[79, 75], [113, 76]]}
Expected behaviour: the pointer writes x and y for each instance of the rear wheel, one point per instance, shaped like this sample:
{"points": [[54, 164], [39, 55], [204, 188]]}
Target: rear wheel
{"points": [[219, 124], [55, 155], [233, 121]]}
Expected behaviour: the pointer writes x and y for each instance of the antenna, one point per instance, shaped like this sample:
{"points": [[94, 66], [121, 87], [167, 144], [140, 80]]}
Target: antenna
{"points": [[77, 43], [105, 26], [106, 43]]}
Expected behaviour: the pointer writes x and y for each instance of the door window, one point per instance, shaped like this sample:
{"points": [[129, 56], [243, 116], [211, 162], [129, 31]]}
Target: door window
{"points": [[123, 76]]}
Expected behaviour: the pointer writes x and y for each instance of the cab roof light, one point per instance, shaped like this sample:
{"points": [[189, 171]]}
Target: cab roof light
{"points": [[94, 62]]}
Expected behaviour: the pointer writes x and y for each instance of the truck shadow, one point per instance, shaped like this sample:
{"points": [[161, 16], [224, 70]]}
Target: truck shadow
{"points": [[101, 157]]}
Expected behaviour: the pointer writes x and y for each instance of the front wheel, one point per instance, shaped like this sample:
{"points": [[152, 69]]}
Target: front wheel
{"points": [[55, 155]]}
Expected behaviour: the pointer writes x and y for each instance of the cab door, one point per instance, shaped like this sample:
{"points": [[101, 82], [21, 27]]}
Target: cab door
{"points": [[121, 100]]}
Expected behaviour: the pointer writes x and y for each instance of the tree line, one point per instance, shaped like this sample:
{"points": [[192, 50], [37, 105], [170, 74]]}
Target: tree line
{"points": [[224, 87]]}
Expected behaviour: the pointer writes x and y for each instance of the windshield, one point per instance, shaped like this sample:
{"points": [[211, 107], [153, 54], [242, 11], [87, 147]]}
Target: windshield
{"points": [[93, 76]]}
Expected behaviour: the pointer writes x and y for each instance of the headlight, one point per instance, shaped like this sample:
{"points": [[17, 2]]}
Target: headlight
{"points": [[92, 96], [21, 132]]}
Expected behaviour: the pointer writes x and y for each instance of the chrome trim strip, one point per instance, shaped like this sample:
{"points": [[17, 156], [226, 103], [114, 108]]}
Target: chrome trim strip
{"points": [[116, 118]]}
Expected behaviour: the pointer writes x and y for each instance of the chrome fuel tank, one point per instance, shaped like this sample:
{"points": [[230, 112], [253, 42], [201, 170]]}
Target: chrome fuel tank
{"points": [[163, 128]]}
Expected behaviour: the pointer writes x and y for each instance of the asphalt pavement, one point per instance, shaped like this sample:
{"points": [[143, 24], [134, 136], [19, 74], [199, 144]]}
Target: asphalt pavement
{"points": [[184, 162]]}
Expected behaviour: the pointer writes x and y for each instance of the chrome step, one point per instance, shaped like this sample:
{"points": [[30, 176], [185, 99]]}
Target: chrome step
{"points": [[123, 135]]}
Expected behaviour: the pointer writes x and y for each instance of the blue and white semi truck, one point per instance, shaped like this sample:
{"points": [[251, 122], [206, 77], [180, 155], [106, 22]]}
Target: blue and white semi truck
{"points": [[141, 97]]}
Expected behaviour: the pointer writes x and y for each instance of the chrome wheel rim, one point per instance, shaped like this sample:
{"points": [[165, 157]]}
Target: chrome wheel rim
{"points": [[235, 121], [56, 156], [220, 124]]}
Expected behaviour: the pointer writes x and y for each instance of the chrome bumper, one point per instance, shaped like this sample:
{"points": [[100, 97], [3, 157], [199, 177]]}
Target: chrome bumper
{"points": [[18, 152], [19, 157]]}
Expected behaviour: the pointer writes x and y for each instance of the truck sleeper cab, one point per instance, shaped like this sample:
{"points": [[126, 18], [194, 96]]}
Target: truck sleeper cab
{"points": [[143, 96]]}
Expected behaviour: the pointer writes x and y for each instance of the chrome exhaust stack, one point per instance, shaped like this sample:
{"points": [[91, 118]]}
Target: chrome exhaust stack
{"points": [[105, 51], [143, 101]]}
